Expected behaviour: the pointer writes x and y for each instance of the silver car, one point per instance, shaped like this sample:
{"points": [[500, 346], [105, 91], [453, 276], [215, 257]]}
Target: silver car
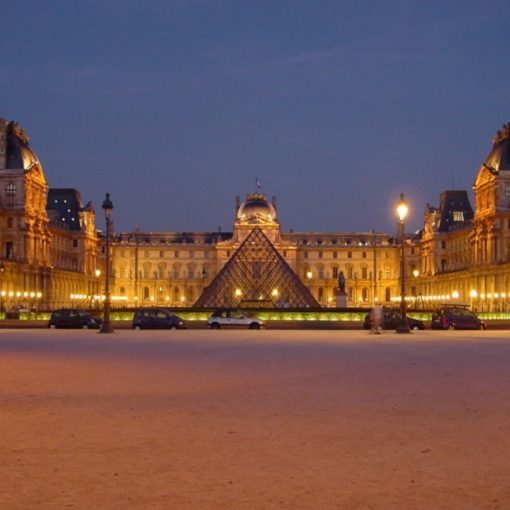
{"points": [[226, 318]]}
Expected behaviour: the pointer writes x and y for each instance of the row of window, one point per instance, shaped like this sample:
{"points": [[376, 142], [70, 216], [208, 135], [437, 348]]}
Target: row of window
{"points": [[191, 254]]}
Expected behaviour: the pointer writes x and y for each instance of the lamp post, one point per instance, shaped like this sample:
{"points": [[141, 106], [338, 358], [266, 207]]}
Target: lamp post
{"points": [[2, 271], [98, 287], [204, 276], [107, 324], [402, 210]]}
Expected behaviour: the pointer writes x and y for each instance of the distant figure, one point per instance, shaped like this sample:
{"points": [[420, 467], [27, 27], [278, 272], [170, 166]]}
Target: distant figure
{"points": [[376, 319], [341, 283]]}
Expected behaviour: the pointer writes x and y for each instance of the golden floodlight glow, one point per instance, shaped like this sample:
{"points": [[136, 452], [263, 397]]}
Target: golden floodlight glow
{"points": [[238, 292], [309, 274], [496, 295], [503, 295], [482, 296], [402, 208], [98, 272], [473, 293], [455, 294], [416, 273], [274, 292]]}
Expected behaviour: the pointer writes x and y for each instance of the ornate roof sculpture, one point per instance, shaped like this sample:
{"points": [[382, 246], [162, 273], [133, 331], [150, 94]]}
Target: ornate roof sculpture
{"points": [[256, 272], [18, 154], [499, 157]]}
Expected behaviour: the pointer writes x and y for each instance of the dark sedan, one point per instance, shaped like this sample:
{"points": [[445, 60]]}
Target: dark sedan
{"points": [[392, 319], [73, 318], [156, 318]]}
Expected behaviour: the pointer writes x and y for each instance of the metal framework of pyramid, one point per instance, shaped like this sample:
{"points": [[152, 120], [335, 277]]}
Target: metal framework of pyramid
{"points": [[256, 272]]}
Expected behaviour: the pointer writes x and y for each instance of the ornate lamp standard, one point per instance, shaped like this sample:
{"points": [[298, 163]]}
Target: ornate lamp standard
{"points": [[2, 271], [402, 210], [107, 325]]}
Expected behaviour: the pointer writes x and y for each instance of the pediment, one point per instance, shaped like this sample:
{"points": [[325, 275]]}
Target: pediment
{"points": [[484, 177]]}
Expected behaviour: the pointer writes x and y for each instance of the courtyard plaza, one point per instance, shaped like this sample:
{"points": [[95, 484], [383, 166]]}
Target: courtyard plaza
{"points": [[213, 420]]}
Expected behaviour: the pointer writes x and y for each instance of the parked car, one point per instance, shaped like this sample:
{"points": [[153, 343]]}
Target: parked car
{"points": [[157, 318], [455, 317], [225, 318], [391, 320], [73, 318]]}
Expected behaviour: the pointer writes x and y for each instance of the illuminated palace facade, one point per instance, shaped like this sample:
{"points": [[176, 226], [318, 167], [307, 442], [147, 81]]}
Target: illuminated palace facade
{"points": [[52, 255], [222, 268], [48, 240], [464, 255]]}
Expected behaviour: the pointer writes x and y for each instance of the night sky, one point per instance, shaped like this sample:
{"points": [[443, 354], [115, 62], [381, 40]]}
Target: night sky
{"points": [[176, 107]]}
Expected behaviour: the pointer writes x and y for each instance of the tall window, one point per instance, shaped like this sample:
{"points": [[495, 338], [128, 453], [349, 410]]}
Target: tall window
{"points": [[335, 272], [9, 250], [10, 191], [507, 194], [364, 273], [387, 294]]}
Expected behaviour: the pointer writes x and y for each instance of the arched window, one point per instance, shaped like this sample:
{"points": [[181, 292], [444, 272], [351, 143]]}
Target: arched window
{"points": [[364, 294], [145, 294], [387, 293]]}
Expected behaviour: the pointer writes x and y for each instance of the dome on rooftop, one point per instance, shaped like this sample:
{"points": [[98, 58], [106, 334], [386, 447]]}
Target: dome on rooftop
{"points": [[18, 153], [499, 157], [256, 209]]}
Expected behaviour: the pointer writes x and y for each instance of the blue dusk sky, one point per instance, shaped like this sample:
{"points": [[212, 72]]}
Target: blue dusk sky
{"points": [[175, 107]]}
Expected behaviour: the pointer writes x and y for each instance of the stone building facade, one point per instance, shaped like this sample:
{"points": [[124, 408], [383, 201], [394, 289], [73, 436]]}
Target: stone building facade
{"points": [[464, 256], [48, 240], [173, 268], [51, 254]]}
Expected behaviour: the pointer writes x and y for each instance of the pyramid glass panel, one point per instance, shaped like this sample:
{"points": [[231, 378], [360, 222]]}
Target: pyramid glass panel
{"points": [[256, 274]]}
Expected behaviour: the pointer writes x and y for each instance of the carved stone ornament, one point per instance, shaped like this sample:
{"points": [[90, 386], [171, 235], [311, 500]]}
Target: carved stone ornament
{"points": [[19, 132], [502, 134]]}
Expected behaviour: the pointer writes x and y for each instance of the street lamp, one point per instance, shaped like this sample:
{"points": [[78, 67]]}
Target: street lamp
{"points": [[98, 287], [107, 324], [402, 210], [204, 276], [2, 271]]}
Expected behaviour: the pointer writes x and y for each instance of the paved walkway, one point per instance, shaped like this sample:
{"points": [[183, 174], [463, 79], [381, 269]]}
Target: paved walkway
{"points": [[254, 420]]}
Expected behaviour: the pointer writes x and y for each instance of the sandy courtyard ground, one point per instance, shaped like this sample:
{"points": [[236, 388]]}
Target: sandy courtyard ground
{"points": [[254, 420]]}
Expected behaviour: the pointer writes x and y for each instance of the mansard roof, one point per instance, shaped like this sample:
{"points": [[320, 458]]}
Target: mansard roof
{"points": [[499, 157], [64, 205], [454, 210]]}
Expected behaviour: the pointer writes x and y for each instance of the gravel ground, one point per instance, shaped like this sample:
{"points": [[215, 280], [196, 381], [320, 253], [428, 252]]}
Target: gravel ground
{"points": [[254, 420]]}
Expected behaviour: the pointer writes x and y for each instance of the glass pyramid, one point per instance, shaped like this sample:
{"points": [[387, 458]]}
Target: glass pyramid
{"points": [[256, 276]]}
